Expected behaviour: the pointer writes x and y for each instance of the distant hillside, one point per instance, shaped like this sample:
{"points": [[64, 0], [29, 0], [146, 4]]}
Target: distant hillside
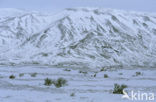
{"points": [[78, 37]]}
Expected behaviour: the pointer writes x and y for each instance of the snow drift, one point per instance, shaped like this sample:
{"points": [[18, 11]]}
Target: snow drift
{"points": [[85, 37]]}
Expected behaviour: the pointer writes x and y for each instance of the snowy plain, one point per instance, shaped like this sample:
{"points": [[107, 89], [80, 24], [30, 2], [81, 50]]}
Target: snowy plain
{"points": [[86, 87]]}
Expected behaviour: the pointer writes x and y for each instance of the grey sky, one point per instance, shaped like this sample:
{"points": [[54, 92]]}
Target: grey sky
{"points": [[56, 5]]}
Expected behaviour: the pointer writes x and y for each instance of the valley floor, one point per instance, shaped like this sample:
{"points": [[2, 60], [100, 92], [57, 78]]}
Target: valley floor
{"points": [[28, 85]]}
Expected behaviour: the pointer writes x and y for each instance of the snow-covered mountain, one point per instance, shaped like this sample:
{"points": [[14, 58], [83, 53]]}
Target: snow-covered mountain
{"points": [[84, 37]]}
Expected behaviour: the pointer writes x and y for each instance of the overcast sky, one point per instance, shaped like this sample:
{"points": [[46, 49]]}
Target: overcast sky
{"points": [[57, 5]]}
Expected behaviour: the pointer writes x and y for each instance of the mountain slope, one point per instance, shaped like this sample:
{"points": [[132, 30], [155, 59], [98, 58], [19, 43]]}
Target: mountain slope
{"points": [[82, 37]]}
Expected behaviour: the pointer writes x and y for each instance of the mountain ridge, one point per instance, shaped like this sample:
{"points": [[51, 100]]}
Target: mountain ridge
{"points": [[86, 37]]}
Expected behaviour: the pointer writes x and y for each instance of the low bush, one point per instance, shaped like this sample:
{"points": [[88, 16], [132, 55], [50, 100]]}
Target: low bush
{"points": [[72, 94], [60, 82], [105, 76], [68, 70], [33, 74], [12, 77], [48, 82], [138, 73], [102, 69], [118, 89], [84, 72], [21, 74]]}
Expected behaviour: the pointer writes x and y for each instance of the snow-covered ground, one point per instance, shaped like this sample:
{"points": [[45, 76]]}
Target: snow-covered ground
{"points": [[85, 86]]}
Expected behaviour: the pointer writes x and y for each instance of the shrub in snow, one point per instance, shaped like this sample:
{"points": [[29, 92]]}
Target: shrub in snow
{"points": [[33, 74], [84, 72], [45, 54], [68, 70], [118, 89], [105, 76], [12, 77], [60, 82], [138, 73], [21, 74], [72, 94], [102, 69], [48, 82]]}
